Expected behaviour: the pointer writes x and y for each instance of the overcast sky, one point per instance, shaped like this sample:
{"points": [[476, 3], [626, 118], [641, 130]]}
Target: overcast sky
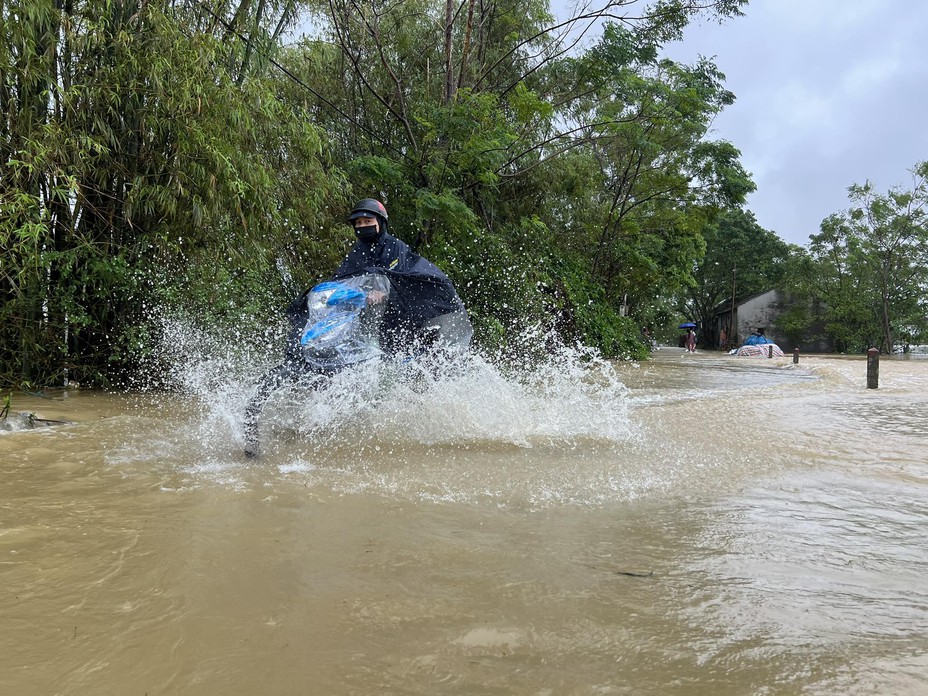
{"points": [[829, 93]]}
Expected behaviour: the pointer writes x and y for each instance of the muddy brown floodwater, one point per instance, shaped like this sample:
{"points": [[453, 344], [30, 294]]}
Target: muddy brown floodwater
{"points": [[698, 524]]}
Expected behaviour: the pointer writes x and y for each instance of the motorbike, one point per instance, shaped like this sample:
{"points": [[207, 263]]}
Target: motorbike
{"points": [[338, 325]]}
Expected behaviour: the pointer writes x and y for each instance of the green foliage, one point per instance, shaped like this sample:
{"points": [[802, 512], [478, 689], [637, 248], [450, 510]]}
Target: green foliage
{"points": [[870, 266], [130, 152], [154, 154]]}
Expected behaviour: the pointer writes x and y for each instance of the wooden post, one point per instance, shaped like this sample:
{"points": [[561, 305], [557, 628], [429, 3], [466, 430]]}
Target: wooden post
{"points": [[795, 356], [873, 368], [770, 351]]}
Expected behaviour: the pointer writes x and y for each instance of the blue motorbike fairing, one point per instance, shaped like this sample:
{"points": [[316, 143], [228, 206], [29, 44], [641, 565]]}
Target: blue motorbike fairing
{"points": [[343, 320], [342, 294], [324, 326]]}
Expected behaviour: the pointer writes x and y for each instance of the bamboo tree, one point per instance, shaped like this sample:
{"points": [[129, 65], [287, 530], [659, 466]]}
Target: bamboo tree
{"points": [[130, 155]]}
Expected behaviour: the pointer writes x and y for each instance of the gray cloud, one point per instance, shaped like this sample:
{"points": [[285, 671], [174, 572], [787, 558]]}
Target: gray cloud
{"points": [[830, 93]]}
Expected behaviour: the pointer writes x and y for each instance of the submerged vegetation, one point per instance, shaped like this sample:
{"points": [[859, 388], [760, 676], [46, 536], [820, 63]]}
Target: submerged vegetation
{"points": [[194, 155]]}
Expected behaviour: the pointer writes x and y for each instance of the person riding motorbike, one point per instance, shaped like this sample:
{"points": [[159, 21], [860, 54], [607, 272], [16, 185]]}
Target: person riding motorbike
{"points": [[423, 311], [423, 303]]}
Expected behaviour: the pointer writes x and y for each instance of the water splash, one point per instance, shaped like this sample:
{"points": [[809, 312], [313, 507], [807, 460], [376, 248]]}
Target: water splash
{"points": [[571, 396], [564, 428]]}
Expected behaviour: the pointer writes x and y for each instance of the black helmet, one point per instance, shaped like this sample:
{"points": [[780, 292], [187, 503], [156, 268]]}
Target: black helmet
{"points": [[368, 207]]}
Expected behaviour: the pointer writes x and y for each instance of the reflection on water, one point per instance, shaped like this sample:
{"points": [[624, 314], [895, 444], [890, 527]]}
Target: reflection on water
{"points": [[694, 525]]}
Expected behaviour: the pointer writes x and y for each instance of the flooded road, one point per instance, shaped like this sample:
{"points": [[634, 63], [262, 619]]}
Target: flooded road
{"points": [[698, 524]]}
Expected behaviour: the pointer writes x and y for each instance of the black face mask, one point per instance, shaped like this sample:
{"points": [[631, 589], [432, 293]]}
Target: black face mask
{"points": [[367, 234]]}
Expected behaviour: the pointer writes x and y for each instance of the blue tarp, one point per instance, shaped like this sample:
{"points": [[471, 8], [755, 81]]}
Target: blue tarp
{"points": [[757, 340]]}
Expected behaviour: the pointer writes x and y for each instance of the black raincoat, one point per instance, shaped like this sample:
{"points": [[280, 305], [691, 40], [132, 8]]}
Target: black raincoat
{"points": [[419, 290]]}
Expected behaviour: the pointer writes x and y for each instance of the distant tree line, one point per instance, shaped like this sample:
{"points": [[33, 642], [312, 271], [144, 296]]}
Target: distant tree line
{"points": [[861, 282], [179, 153], [865, 274]]}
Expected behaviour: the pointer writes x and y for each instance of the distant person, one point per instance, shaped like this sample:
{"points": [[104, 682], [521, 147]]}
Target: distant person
{"points": [[723, 339], [648, 338], [691, 341]]}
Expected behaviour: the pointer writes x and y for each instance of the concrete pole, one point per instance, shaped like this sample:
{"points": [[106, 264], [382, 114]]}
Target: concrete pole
{"points": [[770, 351], [732, 327], [795, 356], [873, 368]]}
